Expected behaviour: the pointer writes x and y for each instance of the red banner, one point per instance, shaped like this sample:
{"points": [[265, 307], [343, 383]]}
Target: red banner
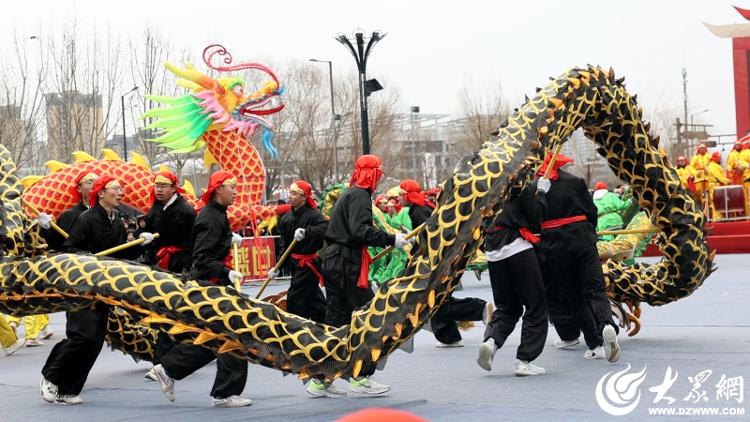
{"points": [[257, 255]]}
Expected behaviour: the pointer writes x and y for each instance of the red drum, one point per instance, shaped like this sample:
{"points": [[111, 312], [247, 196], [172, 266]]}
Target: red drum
{"points": [[729, 200]]}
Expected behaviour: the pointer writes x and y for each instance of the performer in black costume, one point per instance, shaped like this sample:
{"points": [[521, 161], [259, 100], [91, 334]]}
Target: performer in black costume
{"points": [[71, 360], [443, 323], [172, 217], [571, 268], [347, 261], [212, 240], [516, 283], [67, 219]]}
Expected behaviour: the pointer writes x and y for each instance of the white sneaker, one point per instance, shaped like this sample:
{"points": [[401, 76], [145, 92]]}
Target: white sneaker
{"points": [[441, 345], [151, 375], [486, 354], [69, 399], [366, 385], [165, 382], [48, 390], [489, 308], [524, 369], [231, 401], [13, 348], [565, 344], [595, 353], [611, 346], [320, 388], [45, 334], [32, 342]]}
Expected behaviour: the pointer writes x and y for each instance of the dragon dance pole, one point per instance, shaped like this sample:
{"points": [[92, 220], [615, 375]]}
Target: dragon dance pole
{"points": [[552, 160], [390, 248], [51, 223], [118, 248], [632, 231], [276, 268], [236, 264]]}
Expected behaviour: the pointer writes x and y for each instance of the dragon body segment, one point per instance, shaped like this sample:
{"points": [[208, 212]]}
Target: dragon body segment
{"points": [[224, 320]]}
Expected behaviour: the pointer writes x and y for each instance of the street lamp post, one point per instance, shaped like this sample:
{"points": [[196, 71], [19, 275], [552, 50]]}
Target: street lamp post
{"points": [[361, 53], [414, 110], [333, 120], [124, 137]]}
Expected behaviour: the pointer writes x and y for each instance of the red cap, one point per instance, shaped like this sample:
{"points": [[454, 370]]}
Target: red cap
{"points": [[716, 157], [100, 184], [600, 185], [217, 179], [559, 162], [367, 172], [300, 186]]}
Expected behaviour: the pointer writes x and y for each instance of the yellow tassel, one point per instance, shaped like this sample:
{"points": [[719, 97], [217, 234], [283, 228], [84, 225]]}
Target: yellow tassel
{"points": [[80, 157], [54, 166], [431, 299], [110, 155], [375, 354]]}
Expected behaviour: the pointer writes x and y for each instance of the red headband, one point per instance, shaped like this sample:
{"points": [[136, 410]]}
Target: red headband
{"points": [[217, 179], [169, 176], [560, 161], [412, 192], [99, 186], [367, 172], [300, 186]]}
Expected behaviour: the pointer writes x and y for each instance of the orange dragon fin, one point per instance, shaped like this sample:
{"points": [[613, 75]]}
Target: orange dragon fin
{"points": [[188, 187], [163, 168], [54, 166], [110, 155], [208, 159], [81, 157]]}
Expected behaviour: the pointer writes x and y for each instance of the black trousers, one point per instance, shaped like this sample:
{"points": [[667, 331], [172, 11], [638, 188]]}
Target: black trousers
{"points": [[575, 294], [443, 323], [231, 371], [517, 284], [71, 360], [341, 271], [304, 297]]}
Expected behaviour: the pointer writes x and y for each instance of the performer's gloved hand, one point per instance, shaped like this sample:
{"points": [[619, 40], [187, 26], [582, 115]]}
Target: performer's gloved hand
{"points": [[45, 220], [272, 273], [236, 239], [543, 185], [402, 241], [235, 277], [299, 234], [147, 238]]}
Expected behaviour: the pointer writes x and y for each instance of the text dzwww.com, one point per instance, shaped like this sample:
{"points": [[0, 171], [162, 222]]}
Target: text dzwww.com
{"points": [[696, 411]]}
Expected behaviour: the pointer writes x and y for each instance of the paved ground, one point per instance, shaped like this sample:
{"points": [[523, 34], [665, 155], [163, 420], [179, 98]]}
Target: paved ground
{"points": [[709, 330]]}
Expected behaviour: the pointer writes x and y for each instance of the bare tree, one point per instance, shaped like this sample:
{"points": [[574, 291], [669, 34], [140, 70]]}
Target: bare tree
{"points": [[22, 79], [483, 108], [85, 78]]}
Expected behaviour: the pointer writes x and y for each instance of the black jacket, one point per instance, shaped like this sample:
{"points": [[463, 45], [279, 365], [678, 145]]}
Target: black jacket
{"points": [[568, 197], [65, 221], [521, 210], [351, 222], [94, 231], [174, 226], [212, 240], [312, 221]]}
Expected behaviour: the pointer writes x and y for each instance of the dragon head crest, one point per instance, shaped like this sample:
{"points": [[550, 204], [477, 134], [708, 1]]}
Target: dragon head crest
{"points": [[220, 103]]}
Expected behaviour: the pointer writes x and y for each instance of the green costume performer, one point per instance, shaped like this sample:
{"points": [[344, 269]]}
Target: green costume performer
{"points": [[609, 208]]}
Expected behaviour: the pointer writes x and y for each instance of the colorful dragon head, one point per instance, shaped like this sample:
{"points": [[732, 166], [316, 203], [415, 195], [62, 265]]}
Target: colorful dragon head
{"points": [[215, 104]]}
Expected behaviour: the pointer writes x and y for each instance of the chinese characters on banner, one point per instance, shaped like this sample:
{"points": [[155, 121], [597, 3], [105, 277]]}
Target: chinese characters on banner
{"points": [[256, 257]]}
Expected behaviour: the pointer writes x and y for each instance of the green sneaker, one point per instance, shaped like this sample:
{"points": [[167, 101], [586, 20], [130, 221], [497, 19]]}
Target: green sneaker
{"points": [[320, 388], [365, 385]]}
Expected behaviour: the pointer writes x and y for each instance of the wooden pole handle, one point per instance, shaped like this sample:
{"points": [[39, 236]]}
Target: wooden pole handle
{"points": [[118, 248]]}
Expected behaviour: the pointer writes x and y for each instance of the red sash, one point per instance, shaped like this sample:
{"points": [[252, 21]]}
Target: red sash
{"points": [[523, 231], [306, 260], [363, 282], [559, 222], [165, 255], [227, 263]]}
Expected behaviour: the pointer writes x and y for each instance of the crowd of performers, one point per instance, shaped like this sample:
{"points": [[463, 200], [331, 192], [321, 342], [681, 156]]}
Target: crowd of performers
{"points": [[541, 252], [703, 173]]}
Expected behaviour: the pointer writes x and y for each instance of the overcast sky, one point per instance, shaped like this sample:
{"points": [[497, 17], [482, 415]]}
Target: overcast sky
{"points": [[433, 47]]}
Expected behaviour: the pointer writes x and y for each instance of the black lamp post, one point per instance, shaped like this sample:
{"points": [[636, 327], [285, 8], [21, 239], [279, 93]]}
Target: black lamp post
{"points": [[124, 137], [361, 52]]}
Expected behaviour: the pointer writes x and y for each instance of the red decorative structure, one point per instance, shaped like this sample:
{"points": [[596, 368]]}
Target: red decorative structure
{"points": [[740, 35]]}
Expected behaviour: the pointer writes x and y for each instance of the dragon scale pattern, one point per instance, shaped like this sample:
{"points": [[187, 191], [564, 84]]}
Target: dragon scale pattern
{"points": [[226, 321]]}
